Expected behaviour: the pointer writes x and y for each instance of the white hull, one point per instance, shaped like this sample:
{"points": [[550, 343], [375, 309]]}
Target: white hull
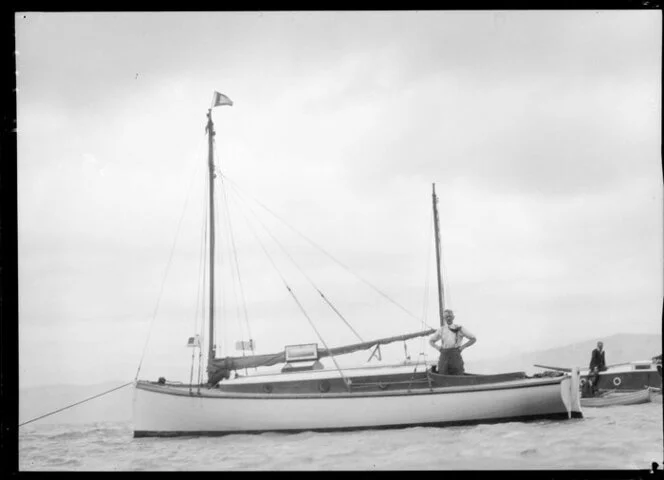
{"points": [[166, 410]]}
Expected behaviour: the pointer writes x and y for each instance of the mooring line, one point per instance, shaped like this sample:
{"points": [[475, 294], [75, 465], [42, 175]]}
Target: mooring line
{"points": [[73, 405]]}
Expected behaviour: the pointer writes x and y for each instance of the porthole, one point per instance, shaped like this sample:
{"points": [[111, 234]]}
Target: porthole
{"points": [[267, 388], [324, 386], [617, 381]]}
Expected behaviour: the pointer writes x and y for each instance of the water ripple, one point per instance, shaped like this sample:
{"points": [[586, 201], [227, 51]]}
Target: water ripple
{"points": [[613, 438]]}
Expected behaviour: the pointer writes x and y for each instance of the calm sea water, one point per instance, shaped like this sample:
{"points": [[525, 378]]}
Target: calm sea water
{"points": [[622, 437]]}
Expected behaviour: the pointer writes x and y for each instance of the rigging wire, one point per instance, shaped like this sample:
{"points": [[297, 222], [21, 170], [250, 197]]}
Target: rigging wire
{"points": [[329, 303], [297, 302], [168, 266], [425, 301], [202, 289], [193, 361], [220, 290], [233, 274], [200, 297], [237, 270], [225, 346], [332, 357], [154, 315], [384, 295]]}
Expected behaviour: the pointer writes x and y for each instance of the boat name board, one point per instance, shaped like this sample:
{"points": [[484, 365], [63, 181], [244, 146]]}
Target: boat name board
{"points": [[305, 352]]}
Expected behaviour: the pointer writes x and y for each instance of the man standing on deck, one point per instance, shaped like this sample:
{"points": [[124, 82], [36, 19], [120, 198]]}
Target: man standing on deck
{"points": [[597, 364], [451, 336]]}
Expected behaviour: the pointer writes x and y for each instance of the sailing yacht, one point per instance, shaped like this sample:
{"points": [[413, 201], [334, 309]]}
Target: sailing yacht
{"points": [[305, 396]]}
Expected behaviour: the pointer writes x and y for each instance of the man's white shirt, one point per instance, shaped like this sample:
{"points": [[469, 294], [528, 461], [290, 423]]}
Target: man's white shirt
{"points": [[451, 339]]}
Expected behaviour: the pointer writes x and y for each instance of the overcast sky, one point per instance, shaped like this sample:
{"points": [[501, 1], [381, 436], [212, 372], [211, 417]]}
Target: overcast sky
{"points": [[541, 131]]}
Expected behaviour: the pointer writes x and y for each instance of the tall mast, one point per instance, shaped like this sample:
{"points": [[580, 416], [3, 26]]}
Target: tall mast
{"points": [[210, 131], [441, 297]]}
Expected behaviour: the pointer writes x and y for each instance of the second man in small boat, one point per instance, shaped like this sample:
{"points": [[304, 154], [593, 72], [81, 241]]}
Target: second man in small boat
{"points": [[597, 364], [451, 337]]}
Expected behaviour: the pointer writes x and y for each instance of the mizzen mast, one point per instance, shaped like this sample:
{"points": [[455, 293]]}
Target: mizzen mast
{"points": [[441, 296]]}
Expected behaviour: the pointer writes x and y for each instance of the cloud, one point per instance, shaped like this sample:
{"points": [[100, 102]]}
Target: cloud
{"points": [[541, 131]]}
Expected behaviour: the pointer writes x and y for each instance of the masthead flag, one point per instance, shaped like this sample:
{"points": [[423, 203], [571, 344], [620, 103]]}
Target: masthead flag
{"points": [[221, 99]]}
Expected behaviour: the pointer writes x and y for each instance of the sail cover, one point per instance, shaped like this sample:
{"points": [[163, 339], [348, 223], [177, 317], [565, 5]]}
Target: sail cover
{"points": [[220, 368]]}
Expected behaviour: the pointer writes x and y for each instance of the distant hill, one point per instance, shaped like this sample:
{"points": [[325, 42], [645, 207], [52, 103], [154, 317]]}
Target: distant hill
{"points": [[619, 348], [116, 406]]}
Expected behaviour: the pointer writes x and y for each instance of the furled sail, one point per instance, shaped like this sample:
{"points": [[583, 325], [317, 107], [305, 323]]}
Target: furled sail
{"points": [[220, 368]]}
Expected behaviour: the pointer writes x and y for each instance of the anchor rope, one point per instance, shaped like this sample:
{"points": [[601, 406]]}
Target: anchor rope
{"points": [[74, 404]]}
